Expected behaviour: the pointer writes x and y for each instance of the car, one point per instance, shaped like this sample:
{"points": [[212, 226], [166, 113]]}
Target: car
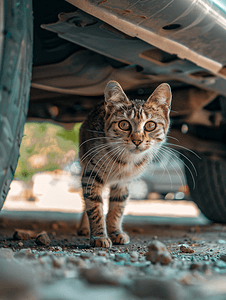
{"points": [[78, 46]]}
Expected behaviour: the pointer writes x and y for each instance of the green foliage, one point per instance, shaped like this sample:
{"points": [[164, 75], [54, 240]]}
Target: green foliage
{"points": [[46, 147]]}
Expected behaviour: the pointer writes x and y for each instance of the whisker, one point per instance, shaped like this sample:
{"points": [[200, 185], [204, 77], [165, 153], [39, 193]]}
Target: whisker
{"points": [[181, 177], [96, 138], [94, 131], [85, 155], [172, 137], [163, 165], [96, 152], [95, 167], [111, 155], [180, 153], [109, 163], [193, 179], [113, 164], [90, 151], [165, 168], [183, 148], [102, 163]]}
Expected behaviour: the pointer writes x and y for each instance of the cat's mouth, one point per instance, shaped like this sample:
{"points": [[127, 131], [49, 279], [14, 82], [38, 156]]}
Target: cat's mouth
{"points": [[136, 150]]}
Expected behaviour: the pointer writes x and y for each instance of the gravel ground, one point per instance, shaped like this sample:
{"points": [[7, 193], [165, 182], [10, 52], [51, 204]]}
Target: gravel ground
{"points": [[46, 260]]}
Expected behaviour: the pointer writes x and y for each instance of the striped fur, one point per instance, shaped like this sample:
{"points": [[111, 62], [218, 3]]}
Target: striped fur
{"points": [[115, 152]]}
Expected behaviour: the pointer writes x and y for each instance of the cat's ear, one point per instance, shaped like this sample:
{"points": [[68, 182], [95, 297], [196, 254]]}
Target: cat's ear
{"points": [[114, 93], [162, 95]]}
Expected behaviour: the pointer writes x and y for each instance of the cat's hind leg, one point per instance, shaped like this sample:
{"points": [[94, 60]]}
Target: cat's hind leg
{"points": [[92, 193], [84, 225], [117, 202]]}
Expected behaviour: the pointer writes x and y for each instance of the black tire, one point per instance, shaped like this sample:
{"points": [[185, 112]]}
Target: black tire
{"points": [[16, 43], [210, 186]]}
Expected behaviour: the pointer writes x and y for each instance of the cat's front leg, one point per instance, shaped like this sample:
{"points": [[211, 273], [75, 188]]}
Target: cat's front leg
{"points": [[94, 210], [117, 202]]}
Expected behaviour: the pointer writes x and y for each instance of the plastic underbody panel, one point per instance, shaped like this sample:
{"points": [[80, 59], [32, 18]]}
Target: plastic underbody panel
{"points": [[173, 41]]}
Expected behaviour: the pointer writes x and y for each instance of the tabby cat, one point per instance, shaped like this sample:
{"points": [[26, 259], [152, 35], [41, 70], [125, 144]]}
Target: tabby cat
{"points": [[117, 141]]}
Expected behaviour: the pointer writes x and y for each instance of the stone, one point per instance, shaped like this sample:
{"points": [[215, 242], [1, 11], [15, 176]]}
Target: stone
{"points": [[99, 259], [86, 255], [134, 256], [156, 246], [6, 253], [196, 266], [17, 281], [59, 262], [149, 287], [121, 257], [103, 253], [157, 252], [220, 264], [43, 239], [223, 257], [21, 235], [186, 249], [100, 275]]}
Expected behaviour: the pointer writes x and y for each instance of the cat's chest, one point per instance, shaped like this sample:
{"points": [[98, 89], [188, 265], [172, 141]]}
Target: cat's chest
{"points": [[130, 169]]}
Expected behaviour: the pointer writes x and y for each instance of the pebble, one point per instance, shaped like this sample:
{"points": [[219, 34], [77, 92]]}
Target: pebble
{"points": [[138, 230], [146, 287], [157, 252], [59, 262], [16, 281], [221, 241], [99, 259], [134, 256], [100, 275], [21, 235], [121, 257], [220, 264], [85, 255], [195, 266], [223, 257], [156, 246], [20, 244], [6, 253], [186, 249], [55, 226], [45, 259], [43, 239], [103, 253]]}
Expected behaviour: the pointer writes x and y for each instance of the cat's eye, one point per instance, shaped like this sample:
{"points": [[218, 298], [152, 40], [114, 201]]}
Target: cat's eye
{"points": [[124, 125], [150, 126]]}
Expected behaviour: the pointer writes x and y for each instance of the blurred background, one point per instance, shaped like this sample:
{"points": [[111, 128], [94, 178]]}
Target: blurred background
{"points": [[47, 178]]}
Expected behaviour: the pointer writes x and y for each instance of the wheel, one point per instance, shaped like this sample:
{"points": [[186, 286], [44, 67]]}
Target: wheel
{"points": [[209, 192], [16, 40]]}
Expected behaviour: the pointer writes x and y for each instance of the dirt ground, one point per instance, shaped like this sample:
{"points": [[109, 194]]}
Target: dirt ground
{"points": [[67, 268]]}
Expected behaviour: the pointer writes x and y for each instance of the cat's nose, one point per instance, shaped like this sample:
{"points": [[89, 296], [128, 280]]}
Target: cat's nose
{"points": [[137, 142]]}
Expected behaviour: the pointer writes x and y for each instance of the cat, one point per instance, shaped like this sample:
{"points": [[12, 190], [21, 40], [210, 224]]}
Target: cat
{"points": [[117, 141]]}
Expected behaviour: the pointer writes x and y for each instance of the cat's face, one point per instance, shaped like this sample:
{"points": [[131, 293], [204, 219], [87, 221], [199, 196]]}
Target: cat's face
{"points": [[137, 124]]}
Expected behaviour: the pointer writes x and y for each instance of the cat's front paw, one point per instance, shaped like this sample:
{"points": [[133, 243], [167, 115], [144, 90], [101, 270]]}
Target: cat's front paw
{"points": [[104, 242], [120, 238]]}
